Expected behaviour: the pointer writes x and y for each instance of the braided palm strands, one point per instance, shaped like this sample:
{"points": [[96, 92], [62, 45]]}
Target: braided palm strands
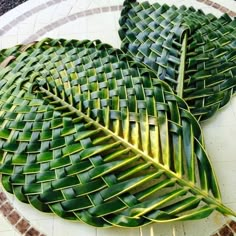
{"points": [[92, 136], [193, 52], [211, 67]]}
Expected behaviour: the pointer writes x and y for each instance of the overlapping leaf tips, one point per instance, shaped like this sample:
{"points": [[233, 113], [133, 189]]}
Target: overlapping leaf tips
{"points": [[92, 136]]}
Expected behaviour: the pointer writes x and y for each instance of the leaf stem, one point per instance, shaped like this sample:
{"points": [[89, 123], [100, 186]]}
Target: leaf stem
{"points": [[190, 185], [182, 66]]}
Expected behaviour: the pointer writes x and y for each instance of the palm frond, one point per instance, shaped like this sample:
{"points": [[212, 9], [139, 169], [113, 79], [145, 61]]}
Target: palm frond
{"points": [[157, 35], [92, 136]]}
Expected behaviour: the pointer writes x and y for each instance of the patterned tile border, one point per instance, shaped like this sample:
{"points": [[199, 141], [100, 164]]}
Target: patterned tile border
{"points": [[27, 14], [70, 18], [13, 216], [228, 229], [49, 3], [20, 223], [218, 7], [93, 11]]}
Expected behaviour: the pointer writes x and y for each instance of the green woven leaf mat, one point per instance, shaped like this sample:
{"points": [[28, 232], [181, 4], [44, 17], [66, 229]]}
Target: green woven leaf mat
{"points": [[92, 136], [193, 52]]}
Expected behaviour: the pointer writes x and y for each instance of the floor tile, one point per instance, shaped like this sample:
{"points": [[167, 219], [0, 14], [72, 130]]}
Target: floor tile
{"points": [[62, 228]]}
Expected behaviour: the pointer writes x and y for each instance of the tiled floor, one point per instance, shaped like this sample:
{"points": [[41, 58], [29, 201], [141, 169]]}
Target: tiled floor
{"points": [[93, 19]]}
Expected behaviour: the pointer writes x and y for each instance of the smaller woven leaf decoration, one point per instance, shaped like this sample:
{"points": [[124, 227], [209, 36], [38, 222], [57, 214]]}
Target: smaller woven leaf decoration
{"points": [[92, 136], [193, 52]]}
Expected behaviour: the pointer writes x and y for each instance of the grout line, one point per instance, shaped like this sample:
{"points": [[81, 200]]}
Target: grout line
{"points": [[27, 14], [65, 20], [140, 231]]}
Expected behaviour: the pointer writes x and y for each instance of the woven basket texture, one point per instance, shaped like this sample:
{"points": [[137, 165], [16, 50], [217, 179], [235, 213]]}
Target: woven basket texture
{"points": [[89, 134], [154, 35]]}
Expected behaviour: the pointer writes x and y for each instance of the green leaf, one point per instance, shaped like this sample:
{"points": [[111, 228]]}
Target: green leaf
{"points": [[193, 52], [105, 141]]}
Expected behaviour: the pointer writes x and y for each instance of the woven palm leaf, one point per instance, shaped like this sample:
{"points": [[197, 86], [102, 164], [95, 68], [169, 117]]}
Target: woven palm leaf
{"points": [[193, 52], [92, 136]]}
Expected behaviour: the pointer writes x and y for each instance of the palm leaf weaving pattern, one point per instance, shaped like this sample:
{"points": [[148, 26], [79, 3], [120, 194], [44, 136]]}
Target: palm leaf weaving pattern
{"points": [[193, 52], [92, 136]]}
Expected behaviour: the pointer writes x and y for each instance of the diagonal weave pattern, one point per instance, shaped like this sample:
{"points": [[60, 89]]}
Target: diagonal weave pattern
{"points": [[193, 52], [210, 76], [92, 136]]}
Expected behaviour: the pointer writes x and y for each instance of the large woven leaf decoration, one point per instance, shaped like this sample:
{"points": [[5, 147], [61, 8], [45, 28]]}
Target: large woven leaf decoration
{"points": [[193, 52], [92, 136]]}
